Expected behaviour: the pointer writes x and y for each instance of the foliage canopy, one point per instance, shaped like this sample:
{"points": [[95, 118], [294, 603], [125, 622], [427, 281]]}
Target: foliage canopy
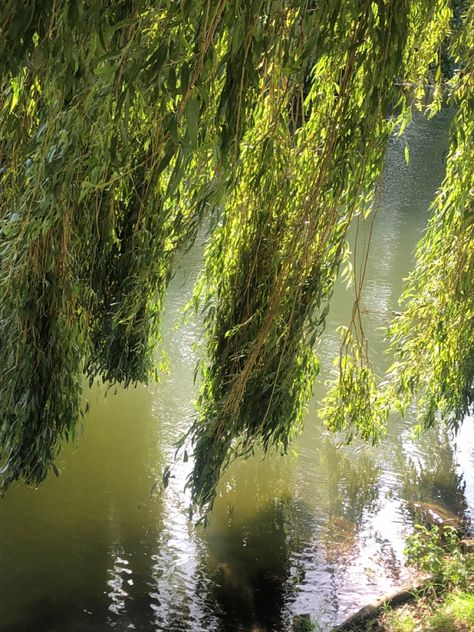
{"points": [[124, 124]]}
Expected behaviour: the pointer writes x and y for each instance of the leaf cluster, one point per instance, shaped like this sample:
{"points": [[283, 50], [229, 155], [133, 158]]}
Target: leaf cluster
{"points": [[124, 124]]}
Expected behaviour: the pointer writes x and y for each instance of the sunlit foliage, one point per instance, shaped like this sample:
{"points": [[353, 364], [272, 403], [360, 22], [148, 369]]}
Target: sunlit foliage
{"points": [[433, 339], [124, 124]]}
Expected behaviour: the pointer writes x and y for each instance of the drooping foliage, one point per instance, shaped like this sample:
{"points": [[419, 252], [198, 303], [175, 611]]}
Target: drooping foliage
{"points": [[432, 340], [124, 124]]}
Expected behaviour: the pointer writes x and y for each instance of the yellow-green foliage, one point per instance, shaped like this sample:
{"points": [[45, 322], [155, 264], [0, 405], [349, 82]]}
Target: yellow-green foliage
{"points": [[433, 339], [123, 124], [455, 613]]}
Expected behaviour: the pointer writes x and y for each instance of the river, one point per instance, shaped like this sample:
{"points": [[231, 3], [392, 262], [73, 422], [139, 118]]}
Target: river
{"points": [[318, 532]]}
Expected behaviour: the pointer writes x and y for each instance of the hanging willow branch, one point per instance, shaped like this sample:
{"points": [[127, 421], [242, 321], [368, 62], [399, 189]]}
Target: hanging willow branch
{"points": [[123, 125], [432, 341]]}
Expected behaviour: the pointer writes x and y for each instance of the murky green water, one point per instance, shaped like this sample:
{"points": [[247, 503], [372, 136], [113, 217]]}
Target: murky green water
{"points": [[320, 532]]}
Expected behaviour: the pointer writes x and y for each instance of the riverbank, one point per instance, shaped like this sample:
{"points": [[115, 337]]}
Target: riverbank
{"points": [[442, 602], [452, 612]]}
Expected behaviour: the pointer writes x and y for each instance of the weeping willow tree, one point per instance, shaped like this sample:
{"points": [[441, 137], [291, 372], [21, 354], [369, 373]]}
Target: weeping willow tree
{"points": [[125, 124]]}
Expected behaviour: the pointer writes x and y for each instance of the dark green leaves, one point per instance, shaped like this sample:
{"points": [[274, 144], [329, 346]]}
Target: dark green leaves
{"points": [[124, 124]]}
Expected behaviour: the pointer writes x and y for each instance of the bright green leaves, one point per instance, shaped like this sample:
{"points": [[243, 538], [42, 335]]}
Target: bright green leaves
{"points": [[124, 124], [352, 405], [432, 341], [309, 165]]}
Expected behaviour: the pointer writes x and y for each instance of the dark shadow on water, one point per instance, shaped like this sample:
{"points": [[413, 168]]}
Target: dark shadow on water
{"points": [[250, 567], [47, 615]]}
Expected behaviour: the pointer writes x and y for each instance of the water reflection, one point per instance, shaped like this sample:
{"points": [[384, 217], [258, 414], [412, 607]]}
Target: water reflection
{"points": [[433, 485], [249, 567], [353, 492]]}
